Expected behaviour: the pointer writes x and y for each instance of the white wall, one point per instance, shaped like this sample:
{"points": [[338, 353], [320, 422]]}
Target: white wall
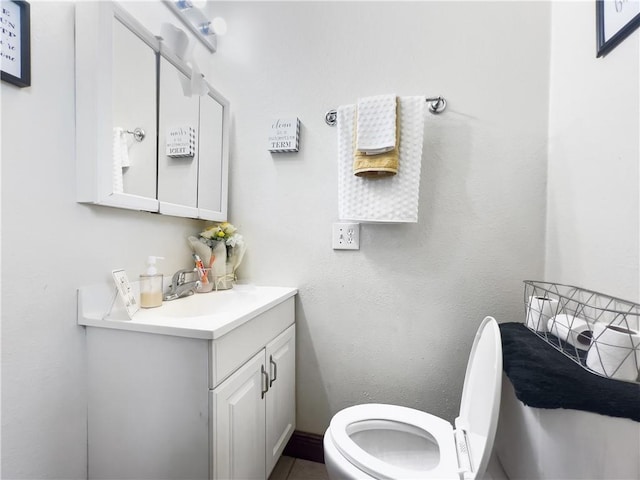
{"points": [[592, 224], [51, 245], [394, 321]]}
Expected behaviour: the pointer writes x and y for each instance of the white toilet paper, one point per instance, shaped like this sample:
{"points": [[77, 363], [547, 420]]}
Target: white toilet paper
{"points": [[539, 311], [572, 330], [615, 352]]}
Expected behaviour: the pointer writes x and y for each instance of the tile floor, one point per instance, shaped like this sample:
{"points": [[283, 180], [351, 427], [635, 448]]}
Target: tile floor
{"points": [[289, 468]]}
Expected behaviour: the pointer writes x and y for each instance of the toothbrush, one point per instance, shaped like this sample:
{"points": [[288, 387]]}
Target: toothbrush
{"points": [[201, 270]]}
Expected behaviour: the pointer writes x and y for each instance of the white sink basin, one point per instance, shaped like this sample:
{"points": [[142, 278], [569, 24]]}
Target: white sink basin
{"points": [[206, 304]]}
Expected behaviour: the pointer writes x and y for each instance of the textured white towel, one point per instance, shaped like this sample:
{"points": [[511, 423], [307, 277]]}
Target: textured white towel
{"points": [[120, 158], [376, 124], [390, 199]]}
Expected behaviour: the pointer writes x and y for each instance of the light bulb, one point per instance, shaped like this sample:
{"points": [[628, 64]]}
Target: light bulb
{"points": [[219, 26]]}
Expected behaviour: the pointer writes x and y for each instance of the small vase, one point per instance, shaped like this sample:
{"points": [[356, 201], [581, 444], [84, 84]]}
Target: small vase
{"points": [[220, 270]]}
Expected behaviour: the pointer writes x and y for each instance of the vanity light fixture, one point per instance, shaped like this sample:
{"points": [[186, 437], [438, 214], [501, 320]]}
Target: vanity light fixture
{"points": [[217, 26], [193, 16], [184, 4]]}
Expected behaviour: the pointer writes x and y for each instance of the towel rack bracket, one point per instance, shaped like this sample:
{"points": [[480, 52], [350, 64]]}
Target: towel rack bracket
{"points": [[331, 117], [436, 104]]}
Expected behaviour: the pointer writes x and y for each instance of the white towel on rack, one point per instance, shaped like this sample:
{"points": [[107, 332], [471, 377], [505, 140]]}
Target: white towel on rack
{"points": [[390, 199], [376, 124], [120, 158]]}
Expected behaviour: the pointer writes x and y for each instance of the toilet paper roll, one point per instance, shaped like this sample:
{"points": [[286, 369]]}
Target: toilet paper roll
{"points": [[572, 330], [539, 311], [615, 352]]}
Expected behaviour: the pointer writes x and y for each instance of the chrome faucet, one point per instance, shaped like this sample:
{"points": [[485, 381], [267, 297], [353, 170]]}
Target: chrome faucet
{"points": [[179, 287]]}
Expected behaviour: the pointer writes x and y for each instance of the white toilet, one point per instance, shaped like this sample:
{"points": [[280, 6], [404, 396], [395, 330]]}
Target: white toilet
{"points": [[392, 442]]}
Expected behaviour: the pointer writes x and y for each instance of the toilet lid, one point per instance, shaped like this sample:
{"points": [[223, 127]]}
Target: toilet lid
{"points": [[480, 403], [478, 419], [400, 419]]}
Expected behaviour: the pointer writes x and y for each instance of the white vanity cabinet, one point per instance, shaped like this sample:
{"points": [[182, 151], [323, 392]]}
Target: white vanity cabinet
{"points": [[191, 397], [254, 412]]}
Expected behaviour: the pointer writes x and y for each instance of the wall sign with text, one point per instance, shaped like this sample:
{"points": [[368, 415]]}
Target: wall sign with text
{"points": [[284, 135], [15, 44], [181, 142], [615, 20]]}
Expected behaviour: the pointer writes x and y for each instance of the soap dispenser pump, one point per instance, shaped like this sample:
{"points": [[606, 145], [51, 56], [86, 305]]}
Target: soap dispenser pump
{"points": [[151, 285]]}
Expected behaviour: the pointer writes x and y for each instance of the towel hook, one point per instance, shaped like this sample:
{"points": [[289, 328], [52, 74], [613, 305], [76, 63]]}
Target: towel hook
{"points": [[436, 105], [138, 134]]}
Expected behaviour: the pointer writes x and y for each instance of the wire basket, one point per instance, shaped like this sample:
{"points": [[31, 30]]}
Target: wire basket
{"points": [[599, 332]]}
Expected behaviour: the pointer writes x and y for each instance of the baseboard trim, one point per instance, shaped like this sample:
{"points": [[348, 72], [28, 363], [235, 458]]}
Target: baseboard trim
{"points": [[307, 446]]}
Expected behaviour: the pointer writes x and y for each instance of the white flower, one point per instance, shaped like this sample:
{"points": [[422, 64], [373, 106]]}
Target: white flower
{"points": [[235, 239]]}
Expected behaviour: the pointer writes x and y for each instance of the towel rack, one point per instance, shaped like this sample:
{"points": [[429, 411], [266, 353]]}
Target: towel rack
{"points": [[436, 105]]}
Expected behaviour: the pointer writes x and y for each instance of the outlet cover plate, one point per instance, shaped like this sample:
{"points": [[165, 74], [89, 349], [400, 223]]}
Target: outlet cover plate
{"points": [[346, 236]]}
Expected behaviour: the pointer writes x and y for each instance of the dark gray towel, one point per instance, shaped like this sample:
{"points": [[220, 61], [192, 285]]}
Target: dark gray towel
{"points": [[543, 377]]}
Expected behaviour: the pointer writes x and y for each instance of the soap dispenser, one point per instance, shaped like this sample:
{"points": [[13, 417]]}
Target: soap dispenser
{"points": [[151, 285]]}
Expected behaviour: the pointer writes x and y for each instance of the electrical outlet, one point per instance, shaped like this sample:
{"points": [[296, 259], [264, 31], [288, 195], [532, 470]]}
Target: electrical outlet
{"points": [[346, 236]]}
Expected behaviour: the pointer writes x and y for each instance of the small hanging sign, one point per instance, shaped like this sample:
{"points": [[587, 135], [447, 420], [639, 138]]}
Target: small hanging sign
{"points": [[284, 135], [181, 142]]}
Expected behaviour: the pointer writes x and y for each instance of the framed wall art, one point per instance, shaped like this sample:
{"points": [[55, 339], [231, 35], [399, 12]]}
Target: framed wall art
{"points": [[15, 44], [615, 20]]}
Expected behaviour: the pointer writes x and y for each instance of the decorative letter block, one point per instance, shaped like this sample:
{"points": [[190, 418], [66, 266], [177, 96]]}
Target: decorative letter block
{"points": [[284, 135], [181, 142]]}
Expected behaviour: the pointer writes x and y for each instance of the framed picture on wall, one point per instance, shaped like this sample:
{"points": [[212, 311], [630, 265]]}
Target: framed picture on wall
{"points": [[15, 44], [615, 20]]}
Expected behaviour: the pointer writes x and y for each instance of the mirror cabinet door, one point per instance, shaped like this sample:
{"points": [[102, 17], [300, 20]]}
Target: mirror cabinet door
{"points": [[177, 175], [193, 185], [109, 80], [134, 107], [212, 167]]}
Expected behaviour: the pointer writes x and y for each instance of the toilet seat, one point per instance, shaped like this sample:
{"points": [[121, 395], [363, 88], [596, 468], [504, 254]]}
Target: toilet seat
{"points": [[401, 419], [463, 452]]}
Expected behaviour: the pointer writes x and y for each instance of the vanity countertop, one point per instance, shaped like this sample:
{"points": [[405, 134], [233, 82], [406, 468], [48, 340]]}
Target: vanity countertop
{"points": [[206, 316]]}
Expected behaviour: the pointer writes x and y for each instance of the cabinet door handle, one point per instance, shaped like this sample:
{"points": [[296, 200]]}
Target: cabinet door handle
{"points": [[273, 367], [265, 378]]}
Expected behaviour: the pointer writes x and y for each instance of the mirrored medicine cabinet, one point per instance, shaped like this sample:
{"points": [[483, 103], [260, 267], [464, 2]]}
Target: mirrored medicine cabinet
{"points": [[141, 142]]}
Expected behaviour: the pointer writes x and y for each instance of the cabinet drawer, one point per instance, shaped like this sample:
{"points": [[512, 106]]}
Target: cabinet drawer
{"points": [[229, 352]]}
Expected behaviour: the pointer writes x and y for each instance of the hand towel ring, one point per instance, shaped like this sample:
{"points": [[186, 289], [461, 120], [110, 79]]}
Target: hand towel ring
{"points": [[138, 134], [436, 105]]}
